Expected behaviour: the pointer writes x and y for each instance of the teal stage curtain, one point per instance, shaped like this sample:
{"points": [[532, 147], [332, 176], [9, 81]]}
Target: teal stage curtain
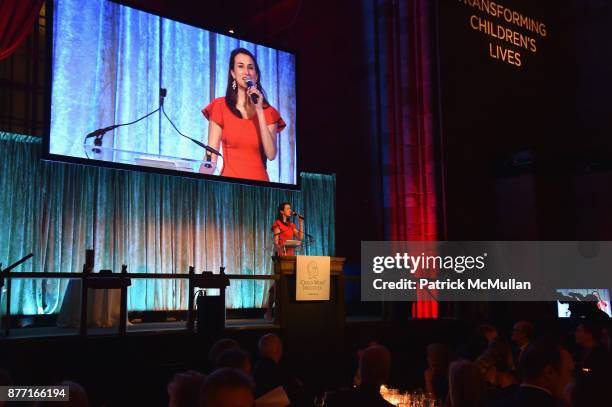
{"points": [[153, 223]]}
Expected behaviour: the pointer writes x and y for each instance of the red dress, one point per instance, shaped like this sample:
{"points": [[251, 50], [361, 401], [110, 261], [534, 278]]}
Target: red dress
{"points": [[286, 233], [243, 154]]}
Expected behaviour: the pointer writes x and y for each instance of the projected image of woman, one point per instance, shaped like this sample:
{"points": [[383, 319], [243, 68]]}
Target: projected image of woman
{"points": [[247, 130]]}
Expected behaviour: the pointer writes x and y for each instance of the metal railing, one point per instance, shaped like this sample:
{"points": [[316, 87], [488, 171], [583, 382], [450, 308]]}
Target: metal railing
{"points": [[122, 281]]}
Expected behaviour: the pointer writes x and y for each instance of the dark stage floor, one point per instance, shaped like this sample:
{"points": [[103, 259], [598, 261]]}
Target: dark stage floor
{"points": [[135, 328]]}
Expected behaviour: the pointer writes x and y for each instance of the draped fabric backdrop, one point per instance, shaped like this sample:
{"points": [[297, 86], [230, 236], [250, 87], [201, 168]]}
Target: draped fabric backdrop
{"points": [[109, 62], [398, 36], [17, 18], [152, 223]]}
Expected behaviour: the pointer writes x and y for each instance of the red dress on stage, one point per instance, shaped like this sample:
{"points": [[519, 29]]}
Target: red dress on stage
{"points": [[286, 233], [243, 155]]}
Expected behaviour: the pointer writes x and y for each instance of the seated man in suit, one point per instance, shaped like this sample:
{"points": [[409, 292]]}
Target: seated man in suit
{"points": [[267, 372], [270, 374], [546, 369], [522, 334], [588, 338]]}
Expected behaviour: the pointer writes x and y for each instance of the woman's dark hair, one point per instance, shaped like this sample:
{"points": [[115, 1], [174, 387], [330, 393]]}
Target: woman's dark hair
{"points": [[498, 355], [231, 93], [279, 215]]}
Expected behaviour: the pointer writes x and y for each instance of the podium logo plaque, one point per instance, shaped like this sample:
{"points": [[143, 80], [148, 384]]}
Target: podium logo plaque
{"points": [[312, 278]]}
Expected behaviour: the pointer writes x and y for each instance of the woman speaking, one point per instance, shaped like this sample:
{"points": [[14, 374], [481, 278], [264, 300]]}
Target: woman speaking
{"points": [[243, 121], [284, 229]]}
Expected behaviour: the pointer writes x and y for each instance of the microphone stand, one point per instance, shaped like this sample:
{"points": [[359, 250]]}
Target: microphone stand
{"points": [[99, 134], [12, 266]]}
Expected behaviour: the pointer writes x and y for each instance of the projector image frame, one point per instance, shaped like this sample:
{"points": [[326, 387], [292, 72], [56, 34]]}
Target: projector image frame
{"points": [[582, 302], [48, 155]]}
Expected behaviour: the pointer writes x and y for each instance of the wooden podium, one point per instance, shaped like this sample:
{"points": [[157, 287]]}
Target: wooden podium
{"points": [[318, 323]]}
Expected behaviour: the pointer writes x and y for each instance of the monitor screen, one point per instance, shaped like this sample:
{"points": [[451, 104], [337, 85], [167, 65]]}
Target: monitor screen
{"points": [[228, 105], [581, 299]]}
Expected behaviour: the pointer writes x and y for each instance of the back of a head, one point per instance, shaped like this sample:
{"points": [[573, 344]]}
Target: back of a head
{"points": [[219, 347], [375, 365], [184, 389], [487, 332], [235, 358], [227, 387], [537, 357], [270, 346], [466, 384], [500, 353], [496, 362]]}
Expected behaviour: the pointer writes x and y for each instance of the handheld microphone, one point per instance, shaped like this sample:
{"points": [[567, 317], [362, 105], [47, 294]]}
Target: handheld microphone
{"points": [[298, 215], [251, 84]]}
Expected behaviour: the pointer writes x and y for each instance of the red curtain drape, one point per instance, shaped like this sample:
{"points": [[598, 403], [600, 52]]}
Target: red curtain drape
{"points": [[17, 18], [411, 188]]}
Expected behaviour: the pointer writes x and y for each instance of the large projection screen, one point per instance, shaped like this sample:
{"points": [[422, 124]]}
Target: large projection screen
{"points": [[108, 65]]}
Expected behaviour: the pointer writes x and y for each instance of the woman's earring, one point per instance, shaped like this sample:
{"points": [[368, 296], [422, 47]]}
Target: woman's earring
{"points": [[234, 84]]}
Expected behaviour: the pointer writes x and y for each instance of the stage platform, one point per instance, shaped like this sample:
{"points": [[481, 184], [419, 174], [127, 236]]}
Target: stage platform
{"points": [[142, 328]]}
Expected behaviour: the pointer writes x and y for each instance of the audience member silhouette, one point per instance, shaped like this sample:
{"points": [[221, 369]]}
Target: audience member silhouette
{"points": [[439, 357], [497, 370], [235, 358], [270, 374], [218, 348], [227, 387], [466, 385], [546, 369], [522, 335], [374, 368], [184, 389], [588, 338]]}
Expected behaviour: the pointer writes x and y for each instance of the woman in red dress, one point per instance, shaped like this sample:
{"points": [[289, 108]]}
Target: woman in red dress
{"points": [[285, 230], [246, 130]]}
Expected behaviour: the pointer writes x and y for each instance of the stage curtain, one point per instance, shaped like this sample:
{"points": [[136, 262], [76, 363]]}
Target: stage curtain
{"points": [[401, 63], [152, 223], [16, 21]]}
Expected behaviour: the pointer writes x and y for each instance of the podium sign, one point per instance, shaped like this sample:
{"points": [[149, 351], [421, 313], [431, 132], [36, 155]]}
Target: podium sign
{"points": [[312, 278]]}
